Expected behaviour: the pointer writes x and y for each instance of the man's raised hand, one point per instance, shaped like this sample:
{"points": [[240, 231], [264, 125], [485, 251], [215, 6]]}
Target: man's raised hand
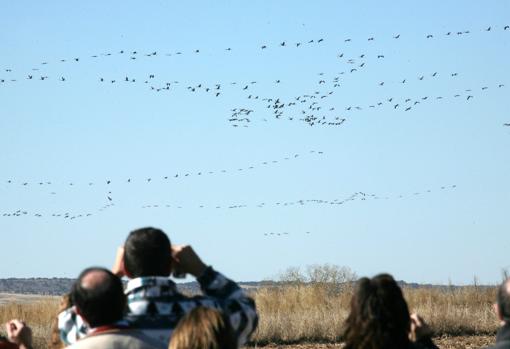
{"points": [[185, 260]]}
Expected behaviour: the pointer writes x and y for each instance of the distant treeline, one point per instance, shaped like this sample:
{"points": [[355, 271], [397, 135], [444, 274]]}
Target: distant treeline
{"points": [[59, 286], [42, 286]]}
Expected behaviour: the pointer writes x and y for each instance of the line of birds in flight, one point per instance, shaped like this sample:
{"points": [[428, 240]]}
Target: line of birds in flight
{"points": [[357, 196], [314, 113], [285, 233], [134, 54], [148, 180], [330, 116], [308, 108], [308, 113], [362, 196]]}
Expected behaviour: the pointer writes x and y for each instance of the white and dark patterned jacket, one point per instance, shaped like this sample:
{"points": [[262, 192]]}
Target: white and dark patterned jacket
{"points": [[155, 307]]}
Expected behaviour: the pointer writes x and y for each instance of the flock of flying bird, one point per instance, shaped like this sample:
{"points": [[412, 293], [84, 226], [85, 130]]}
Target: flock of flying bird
{"points": [[310, 108], [135, 54], [357, 196], [108, 182]]}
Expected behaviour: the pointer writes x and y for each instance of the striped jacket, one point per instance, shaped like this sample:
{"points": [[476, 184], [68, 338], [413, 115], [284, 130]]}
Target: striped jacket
{"points": [[155, 307]]}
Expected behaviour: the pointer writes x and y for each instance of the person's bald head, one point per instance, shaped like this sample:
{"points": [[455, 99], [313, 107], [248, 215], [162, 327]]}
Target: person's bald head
{"points": [[503, 301], [94, 278], [99, 297]]}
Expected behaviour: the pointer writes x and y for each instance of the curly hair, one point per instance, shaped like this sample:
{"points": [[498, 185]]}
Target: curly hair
{"points": [[379, 316]]}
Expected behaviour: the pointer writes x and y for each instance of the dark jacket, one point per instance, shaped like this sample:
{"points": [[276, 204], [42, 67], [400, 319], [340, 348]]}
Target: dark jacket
{"points": [[502, 338], [425, 343]]}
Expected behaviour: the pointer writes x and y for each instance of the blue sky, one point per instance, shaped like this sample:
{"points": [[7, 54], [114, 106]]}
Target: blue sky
{"points": [[83, 131]]}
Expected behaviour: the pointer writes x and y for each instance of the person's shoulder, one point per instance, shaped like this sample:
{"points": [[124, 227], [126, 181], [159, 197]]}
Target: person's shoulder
{"points": [[129, 339]]}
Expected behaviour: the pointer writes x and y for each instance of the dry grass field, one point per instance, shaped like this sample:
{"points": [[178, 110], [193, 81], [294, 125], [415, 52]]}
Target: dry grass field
{"points": [[302, 313], [305, 316]]}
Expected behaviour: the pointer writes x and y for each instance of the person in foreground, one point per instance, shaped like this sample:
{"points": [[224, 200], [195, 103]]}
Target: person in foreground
{"points": [[203, 328], [154, 304], [379, 318], [19, 336], [502, 309], [100, 301]]}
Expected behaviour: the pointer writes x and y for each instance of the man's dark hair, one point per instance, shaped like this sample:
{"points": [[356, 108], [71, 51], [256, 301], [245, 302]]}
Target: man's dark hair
{"points": [[503, 300], [147, 253], [101, 302], [379, 316]]}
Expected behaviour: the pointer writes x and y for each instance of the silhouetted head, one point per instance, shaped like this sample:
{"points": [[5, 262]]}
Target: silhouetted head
{"points": [[379, 316], [147, 252], [503, 301], [99, 297], [203, 328]]}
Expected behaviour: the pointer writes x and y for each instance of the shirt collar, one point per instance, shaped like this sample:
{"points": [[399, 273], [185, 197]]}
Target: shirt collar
{"points": [[148, 282]]}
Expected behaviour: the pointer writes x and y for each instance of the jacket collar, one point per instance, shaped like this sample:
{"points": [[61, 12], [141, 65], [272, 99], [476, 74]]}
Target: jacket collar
{"points": [[146, 282]]}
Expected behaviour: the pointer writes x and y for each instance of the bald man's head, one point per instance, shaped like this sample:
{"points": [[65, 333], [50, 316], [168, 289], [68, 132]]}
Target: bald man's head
{"points": [[504, 300], [99, 297]]}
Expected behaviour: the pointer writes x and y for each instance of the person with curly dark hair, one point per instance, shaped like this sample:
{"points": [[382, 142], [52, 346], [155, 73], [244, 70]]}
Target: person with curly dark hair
{"points": [[379, 318]]}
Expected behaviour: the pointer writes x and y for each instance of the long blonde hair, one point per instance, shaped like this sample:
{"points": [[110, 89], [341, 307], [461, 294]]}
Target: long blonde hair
{"points": [[203, 328]]}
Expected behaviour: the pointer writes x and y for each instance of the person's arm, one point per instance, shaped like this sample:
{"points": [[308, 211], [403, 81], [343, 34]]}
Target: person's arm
{"points": [[233, 301], [240, 308], [19, 333]]}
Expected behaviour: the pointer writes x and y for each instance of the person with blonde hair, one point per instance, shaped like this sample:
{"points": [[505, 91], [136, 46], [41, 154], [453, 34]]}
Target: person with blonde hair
{"points": [[203, 328]]}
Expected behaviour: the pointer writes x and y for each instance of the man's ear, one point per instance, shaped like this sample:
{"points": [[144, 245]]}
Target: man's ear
{"points": [[170, 266], [126, 272], [78, 312], [497, 311]]}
